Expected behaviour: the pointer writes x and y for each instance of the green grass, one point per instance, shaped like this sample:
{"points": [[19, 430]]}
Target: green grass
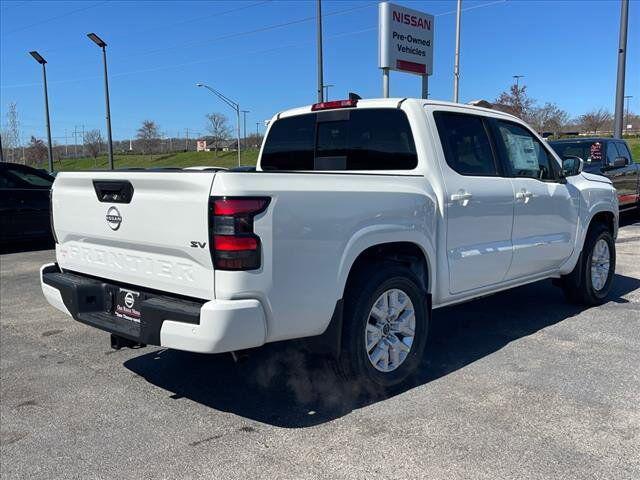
{"points": [[190, 159], [180, 159], [634, 146]]}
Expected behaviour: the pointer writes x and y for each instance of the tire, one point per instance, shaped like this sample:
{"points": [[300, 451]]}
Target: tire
{"points": [[398, 284], [580, 286]]}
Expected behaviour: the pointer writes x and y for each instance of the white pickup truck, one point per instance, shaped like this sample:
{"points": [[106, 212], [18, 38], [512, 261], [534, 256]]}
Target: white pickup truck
{"points": [[360, 218]]}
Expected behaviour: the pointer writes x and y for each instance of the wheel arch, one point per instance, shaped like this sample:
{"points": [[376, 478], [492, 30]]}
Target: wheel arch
{"points": [[408, 251], [402, 252]]}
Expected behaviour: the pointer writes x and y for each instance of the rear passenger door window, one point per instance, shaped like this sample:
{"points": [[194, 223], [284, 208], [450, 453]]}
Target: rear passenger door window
{"points": [[466, 144], [524, 154]]}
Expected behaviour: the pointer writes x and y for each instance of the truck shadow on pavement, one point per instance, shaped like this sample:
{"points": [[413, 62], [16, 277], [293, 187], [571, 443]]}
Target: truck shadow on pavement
{"points": [[282, 386]]}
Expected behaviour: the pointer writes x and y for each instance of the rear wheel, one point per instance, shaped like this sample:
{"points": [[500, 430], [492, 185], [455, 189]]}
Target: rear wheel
{"points": [[385, 326], [590, 281]]}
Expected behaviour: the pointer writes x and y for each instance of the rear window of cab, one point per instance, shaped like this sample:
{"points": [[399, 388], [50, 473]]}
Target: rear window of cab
{"points": [[345, 139]]}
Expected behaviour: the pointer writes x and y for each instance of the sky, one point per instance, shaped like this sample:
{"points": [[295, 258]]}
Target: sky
{"points": [[263, 55]]}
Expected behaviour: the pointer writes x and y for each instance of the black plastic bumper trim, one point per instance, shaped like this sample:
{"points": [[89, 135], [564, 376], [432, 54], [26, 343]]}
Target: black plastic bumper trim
{"points": [[92, 301]]}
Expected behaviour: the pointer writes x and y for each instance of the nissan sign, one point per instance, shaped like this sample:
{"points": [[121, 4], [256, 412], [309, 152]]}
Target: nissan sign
{"points": [[405, 39]]}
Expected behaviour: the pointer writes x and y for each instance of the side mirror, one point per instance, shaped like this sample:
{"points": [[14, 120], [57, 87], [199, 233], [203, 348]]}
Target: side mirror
{"points": [[571, 166], [619, 162]]}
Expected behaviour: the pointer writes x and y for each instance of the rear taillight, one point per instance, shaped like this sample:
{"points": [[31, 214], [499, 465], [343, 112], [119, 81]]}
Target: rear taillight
{"points": [[234, 245]]}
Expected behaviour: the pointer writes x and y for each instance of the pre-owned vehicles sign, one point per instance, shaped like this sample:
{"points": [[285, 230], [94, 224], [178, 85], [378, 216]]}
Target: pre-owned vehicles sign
{"points": [[405, 38]]}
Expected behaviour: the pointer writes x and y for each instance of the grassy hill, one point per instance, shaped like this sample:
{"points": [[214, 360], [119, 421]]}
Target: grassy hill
{"points": [[179, 159]]}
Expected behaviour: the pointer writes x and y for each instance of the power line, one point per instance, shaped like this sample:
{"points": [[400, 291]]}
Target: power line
{"points": [[169, 25], [249, 32], [212, 60], [9, 7], [57, 17], [202, 17]]}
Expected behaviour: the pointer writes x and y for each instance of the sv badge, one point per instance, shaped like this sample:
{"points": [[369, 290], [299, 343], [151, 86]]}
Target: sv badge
{"points": [[195, 244]]}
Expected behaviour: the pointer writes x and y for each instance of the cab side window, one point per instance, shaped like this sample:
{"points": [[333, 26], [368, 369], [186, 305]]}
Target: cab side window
{"points": [[623, 151], [6, 182], [29, 178], [466, 144], [612, 153], [524, 154]]}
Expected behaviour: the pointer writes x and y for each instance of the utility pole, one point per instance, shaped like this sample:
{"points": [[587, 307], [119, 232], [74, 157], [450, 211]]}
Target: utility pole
{"points": [[234, 105], [83, 151], [257, 134], [627, 98], [244, 115], [456, 63], [75, 141], [2, 151], [66, 144], [518, 77], [186, 141], [319, 34], [326, 91], [622, 59]]}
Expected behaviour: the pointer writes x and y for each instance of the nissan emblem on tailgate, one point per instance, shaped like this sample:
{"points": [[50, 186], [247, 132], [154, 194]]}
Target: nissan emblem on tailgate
{"points": [[113, 218]]}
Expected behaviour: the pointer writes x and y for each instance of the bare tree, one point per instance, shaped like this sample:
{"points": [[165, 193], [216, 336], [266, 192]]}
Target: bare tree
{"points": [[253, 140], [93, 143], [548, 118], [516, 102], [149, 136], [11, 137], [217, 126], [595, 120], [36, 152]]}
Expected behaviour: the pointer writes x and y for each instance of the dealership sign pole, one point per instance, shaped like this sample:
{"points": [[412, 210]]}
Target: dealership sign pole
{"points": [[405, 43]]}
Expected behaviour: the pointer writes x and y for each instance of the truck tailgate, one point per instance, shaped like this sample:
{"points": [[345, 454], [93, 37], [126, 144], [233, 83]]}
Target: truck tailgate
{"points": [[158, 239]]}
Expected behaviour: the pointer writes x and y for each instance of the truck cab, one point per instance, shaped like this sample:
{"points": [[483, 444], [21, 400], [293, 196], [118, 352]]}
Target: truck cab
{"points": [[609, 157], [360, 218]]}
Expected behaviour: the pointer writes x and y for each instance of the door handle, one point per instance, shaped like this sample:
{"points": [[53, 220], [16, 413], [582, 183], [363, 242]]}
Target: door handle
{"points": [[524, 195], [462, 197]]}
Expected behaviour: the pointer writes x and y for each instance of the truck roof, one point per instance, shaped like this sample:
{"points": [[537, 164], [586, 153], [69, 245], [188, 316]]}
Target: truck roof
{"points": [[395, 103]]}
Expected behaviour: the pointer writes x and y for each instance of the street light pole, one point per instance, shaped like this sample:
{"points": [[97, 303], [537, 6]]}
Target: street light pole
{"points": [[319, 41], [232, 104], [98, 41], [244, 117], [456, 62], [622, 59], [38, 58]]}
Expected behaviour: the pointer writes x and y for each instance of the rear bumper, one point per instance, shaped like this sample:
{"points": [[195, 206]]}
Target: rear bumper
{"points": [[214, 326]]}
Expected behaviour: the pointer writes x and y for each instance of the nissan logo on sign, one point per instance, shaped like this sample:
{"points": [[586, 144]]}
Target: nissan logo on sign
{"points": [[114, 219], [405, 39]]}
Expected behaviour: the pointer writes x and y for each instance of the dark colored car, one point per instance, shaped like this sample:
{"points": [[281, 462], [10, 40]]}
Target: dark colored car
{"points": [[610, 157], [24, 203]]}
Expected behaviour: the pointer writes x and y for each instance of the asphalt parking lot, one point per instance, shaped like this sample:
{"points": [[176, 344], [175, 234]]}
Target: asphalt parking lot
{"points": [[517, 385]]}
